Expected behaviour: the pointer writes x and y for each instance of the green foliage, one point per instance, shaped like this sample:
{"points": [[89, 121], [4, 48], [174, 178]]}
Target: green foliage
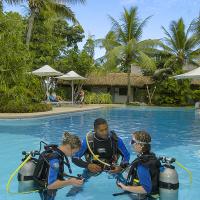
{"points": [[50, 40], [123, 43], [15, 60], [180, 46], [76, 60], [23, 98], [64, 92], [173, 92], [17, 87], [196, 95], [18, 107], [98, 98]]}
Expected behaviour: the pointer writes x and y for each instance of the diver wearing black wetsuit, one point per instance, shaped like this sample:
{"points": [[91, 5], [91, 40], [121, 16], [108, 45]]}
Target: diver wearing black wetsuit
{"points": [[105, 145]]}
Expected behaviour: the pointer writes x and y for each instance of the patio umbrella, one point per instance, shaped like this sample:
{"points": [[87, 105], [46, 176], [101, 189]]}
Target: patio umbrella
{"points": [[46, 71], [194, 74], [71, 76]]}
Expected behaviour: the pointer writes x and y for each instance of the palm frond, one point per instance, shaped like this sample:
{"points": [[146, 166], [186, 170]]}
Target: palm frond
{"points": [[117, 29], [63, 11], [14, 2], [146, 62], [169, 39], [70, 2], [139, 31]]}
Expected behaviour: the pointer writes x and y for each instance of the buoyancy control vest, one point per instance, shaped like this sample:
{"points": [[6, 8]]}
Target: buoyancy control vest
{"points": [[42, 167], [153, 164], [106, 150]]}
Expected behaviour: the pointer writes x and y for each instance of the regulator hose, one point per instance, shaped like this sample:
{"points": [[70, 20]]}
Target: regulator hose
{"points": [[96, 157], [14, 174]]}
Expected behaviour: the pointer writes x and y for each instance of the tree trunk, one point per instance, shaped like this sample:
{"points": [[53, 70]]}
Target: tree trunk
{"points": [[1, 6], [30, 27], [128, 86]]}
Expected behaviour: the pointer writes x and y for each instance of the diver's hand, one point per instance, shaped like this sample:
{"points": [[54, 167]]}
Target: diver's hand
{"points": [[94, 168], [116, 170], [76, 182], [121, 185]]}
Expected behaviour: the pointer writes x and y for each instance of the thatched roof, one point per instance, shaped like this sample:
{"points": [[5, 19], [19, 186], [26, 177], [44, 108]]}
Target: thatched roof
{"points": [[195, 82], [118, 79]]}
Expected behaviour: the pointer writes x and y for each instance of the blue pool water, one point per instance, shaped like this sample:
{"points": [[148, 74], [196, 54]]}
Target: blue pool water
{"points": [[175, 132]]}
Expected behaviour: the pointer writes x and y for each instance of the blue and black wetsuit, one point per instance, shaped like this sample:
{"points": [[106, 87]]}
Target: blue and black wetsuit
{"points": [[108, 150], [55, 172], [145, 169]]}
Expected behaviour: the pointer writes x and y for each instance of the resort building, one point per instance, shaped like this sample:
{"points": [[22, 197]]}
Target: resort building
{"points": [[116, 85]]}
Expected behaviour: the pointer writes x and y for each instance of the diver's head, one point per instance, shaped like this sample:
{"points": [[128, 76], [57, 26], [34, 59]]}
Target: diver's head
{"points": [[70, 144], [101, 128], [141, 142]]}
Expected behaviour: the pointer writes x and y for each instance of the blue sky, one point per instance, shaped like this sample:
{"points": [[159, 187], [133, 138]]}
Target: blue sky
{"points": [[94, 15]]}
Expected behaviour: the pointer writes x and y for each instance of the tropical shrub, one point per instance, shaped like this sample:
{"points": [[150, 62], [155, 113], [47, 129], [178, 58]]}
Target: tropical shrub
{"points": [[196, 95], [98, 98], [17, 107], [64, 92], [173, 92]]}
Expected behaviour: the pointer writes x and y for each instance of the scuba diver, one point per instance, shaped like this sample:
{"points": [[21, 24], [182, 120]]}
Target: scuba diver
{"points": [[55, 180], [143, 173], [101, 150], [45, 174]]}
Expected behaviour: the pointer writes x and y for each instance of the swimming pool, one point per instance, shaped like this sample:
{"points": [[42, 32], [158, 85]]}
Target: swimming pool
{"points": [[175, 132]]}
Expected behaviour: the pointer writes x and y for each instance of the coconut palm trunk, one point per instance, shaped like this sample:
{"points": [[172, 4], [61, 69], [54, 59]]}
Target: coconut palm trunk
{"points": [[30, 26], [1, 6], [128, 86]]}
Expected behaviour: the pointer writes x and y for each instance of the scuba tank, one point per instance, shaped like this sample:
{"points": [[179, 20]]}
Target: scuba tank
{"points": [[25, 175], [168, 180], [28, 171]]}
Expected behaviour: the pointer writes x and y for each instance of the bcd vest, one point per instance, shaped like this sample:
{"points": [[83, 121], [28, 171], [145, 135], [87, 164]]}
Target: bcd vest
{"points": [[153, 164], [42, 168], [107, 150]]}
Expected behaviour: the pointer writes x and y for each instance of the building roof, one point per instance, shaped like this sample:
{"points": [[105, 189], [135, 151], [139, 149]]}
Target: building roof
{"points": [[118, 79], [195, 82]]}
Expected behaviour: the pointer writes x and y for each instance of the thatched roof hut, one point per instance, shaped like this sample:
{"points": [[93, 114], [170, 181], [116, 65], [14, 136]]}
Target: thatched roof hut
{"points": [[118, 79], [195, 82]]}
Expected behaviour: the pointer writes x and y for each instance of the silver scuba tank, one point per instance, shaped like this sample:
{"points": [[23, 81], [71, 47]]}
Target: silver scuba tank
{"points": [[168, 180], [26, 182]]}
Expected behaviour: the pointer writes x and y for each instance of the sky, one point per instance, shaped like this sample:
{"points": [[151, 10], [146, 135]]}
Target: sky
{"points": [[93, 16]]}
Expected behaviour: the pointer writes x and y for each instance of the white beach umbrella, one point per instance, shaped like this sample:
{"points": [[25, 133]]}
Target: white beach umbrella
{"points": [[71, 76], [194, 74], [46, 71]]}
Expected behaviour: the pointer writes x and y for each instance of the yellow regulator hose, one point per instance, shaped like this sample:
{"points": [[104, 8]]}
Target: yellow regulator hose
{"points": [[14, 174], [187, 170], [96, 157]]}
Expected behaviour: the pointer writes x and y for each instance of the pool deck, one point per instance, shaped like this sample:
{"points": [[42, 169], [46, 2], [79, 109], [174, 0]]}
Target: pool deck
{"points": [[54, 111]]}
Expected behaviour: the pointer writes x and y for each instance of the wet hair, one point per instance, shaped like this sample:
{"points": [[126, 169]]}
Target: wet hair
{"points": [[99, 122], [143, 136], [72, 140]]}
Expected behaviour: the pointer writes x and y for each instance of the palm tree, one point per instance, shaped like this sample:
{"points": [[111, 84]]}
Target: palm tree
{"points": [[180, 46], [196, 26], [124, 46], [60, 7]]}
